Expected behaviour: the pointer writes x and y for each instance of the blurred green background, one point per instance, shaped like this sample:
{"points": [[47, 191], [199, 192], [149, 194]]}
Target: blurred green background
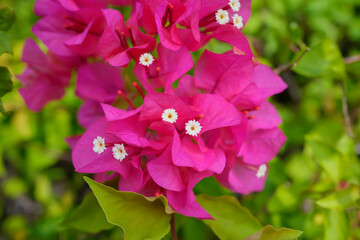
{"points": [[314, 182]]}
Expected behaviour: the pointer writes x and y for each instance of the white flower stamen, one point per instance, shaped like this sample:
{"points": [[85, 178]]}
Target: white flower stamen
{"points": [[222, 17], [261, 171], [238, 21], [99, 145], [169, 115], [235, 5], [193, 128], [119, 152], [146, 59]]}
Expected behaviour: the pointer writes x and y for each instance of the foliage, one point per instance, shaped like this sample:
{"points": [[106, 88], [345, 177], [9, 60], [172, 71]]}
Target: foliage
{"points": [[312, 186]]}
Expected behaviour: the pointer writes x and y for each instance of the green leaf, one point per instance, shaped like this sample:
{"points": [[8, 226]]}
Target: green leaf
{"points": [[328, 157], [2, 110], [5, 44], [342, 199], [337, 225], [7, 18], [232, 221], [324, 59], [6, 84], [88, 217], [140, 218], [270, 233]]}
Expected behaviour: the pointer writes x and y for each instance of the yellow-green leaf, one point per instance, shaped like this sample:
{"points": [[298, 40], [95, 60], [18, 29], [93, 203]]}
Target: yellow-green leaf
{"points": [[140, 218]]}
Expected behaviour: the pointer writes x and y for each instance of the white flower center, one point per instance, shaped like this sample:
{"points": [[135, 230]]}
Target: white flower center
{"points": [[235, 5], [222, 17], [193, 128], [99, 145], [261, 171], [146, 59], [238, 21], [119, 152], [169, 115]]}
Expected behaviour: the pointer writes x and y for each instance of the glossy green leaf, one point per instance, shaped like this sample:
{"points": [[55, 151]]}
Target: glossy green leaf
{"points": [[7, 18], [232, 221], [88, 216], [337, 225], [5, 44], [139, 217], [6, 84], [324, 59], [342, 199], [328, 157], [270, 233]]}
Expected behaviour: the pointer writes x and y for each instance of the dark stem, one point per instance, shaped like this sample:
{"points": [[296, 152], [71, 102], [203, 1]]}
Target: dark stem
{"points": [[288, 67], [346, 112], [352, 59], [173, 229]]}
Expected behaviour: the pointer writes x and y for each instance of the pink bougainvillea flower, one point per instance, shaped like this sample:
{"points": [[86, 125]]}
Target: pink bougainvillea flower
{"points": [[169, 66], [96, 83], [45, 77], [69, 33], [98, 151], [179, 190], [120, 42]]}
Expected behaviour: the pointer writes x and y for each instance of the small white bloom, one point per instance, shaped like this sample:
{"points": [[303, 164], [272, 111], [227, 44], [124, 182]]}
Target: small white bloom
{"points": [[261, 171], [235, 5], [99, 145], [222, 17], [238, 21], [119, 152], [169, 115], [146, 59], [193, 128]]}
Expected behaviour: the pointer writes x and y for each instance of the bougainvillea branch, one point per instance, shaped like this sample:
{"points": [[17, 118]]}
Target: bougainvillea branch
{"points": [[176, 128]]}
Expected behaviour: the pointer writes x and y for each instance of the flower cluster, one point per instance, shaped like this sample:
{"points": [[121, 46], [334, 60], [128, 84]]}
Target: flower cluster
{"points": [[167, 130]]}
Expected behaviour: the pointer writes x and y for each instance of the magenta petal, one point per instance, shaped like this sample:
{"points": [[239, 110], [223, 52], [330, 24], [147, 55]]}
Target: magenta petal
{"points": [[99, 82], [184, 202], [248, 98], [39, 89], [89, 112], [186, 153], [268, 82], [130, 131], [264, 118], [134, 180], [217, 112], [114, 113], [164, 173], [262, 145], [46, 7], [223, 74], [241, 178]]}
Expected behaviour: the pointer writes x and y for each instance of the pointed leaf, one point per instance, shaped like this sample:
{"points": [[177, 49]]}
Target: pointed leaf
{"points": [[139, 217], [6, 84], [337, 225], [88, 217], [328, 157], [324, 59], [7, 18], [5, 44], [342, 199], [232, 221], [270, 233]]}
